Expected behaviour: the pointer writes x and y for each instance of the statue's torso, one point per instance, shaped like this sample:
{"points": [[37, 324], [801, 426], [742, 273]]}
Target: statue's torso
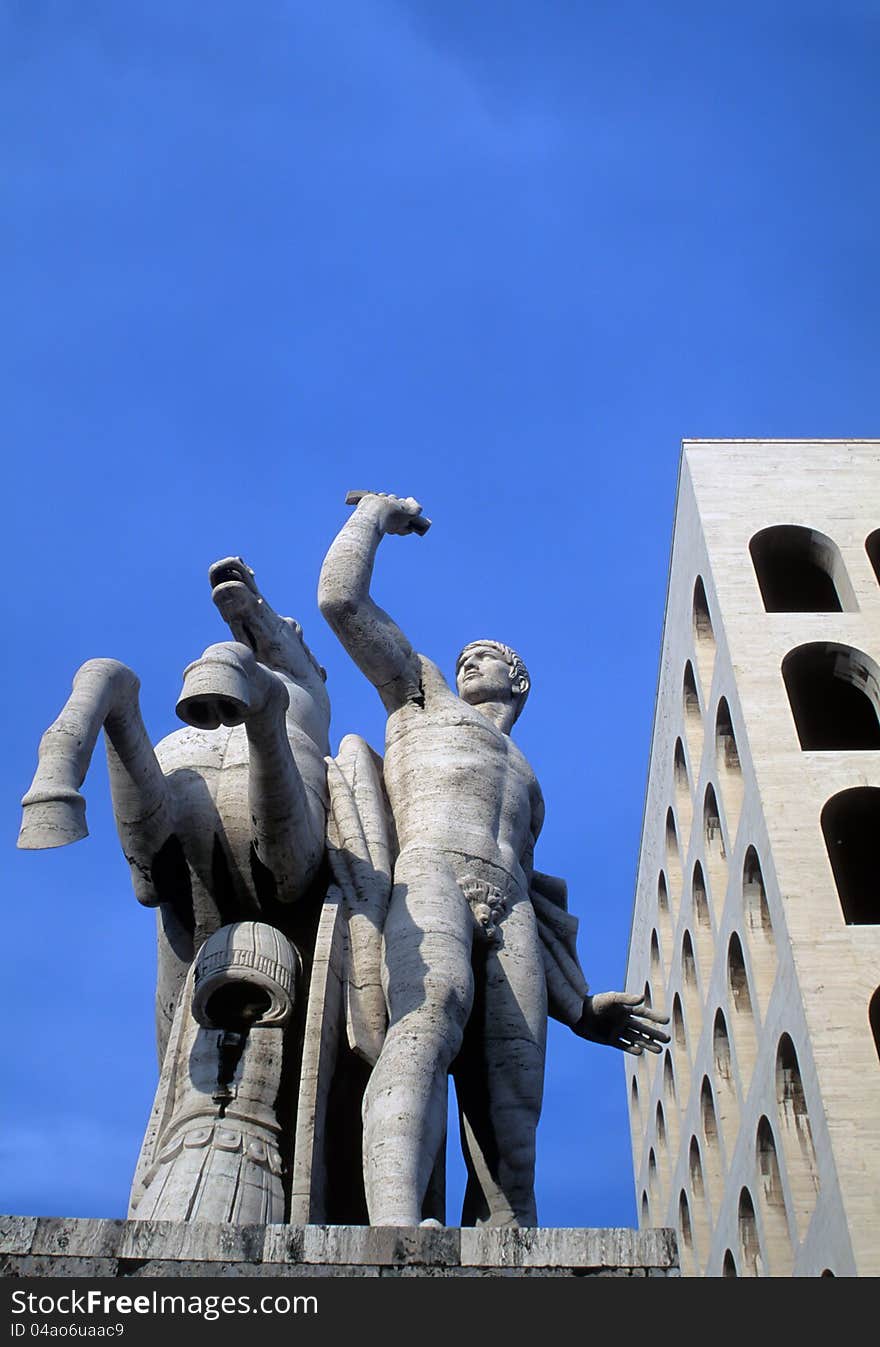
{"points": [[458, 784]]}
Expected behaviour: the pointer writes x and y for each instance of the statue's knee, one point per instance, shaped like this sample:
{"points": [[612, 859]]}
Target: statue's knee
{"points": [[430, 1038], [107, 672], [227, 686]]}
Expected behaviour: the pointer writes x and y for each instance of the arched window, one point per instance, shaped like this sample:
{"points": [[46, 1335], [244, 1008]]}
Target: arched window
{"points": [[835, 696], [663, 909], [716, 854], [680, 1044], [702, 924], [729, 770], [653, 1179], [761, 940], [795, 1132], [874, 1019], [687, 1234], [669, 1083], [800, 571], [749, 1248], [704, 636], [772, 1198], [674, 871], [682, 786], [693, 718], [725, 1077], [699, 1197], [711, 1143], [635, 1106], [851, 824], [872, 547], [655, 956], [690, 986], [744, 1031]]}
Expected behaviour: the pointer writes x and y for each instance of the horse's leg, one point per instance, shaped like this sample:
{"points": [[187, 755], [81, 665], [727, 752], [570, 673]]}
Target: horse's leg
{"points": [[105, 693], [228, 685]]}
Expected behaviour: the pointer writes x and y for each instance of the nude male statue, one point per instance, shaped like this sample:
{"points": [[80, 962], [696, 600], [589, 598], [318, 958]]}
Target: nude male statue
{"points": [[464, 975]]}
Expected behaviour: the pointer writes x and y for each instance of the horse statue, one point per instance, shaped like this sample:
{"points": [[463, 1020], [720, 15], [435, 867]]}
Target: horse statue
{"points": [[224, 820]]}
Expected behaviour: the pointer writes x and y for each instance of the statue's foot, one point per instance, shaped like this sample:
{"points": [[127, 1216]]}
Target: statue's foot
{"points": [[52, 818], [225, 687]]}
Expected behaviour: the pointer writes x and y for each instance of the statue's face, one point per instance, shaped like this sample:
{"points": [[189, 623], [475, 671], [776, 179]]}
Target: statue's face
{"points": [[484, 676]]}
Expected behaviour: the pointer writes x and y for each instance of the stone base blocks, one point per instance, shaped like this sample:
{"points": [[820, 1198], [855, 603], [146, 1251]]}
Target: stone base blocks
{"points": [[57, 1247]]}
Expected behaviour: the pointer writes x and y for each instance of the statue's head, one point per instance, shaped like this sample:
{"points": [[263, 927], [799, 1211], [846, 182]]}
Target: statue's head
{"points": [[487, 671], [273, 639]]}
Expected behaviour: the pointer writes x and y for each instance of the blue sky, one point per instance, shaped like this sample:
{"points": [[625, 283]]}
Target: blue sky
{"points": [[500, 256]]}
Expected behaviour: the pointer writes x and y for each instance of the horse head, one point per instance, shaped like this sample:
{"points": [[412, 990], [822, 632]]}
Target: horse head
{"points": [[276, 641]]}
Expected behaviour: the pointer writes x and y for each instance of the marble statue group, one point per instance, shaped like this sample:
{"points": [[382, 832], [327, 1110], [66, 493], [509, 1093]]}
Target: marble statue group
{"points": [[337, 935]]}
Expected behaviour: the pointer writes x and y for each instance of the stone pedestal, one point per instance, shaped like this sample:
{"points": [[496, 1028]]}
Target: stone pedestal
{"points": [[33, 1246]]}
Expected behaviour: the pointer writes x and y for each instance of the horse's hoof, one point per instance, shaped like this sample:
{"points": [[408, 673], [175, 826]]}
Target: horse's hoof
{"points": [[216, 691], [52, 818]]}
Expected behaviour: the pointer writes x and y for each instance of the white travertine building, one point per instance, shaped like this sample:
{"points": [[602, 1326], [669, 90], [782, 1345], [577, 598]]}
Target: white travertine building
{"points": [[757, 913]]}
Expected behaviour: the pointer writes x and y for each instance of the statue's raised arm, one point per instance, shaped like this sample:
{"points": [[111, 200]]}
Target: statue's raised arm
{"points": [[371, 637]]}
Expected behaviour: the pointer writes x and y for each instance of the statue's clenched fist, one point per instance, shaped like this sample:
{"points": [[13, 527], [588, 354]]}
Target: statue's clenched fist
{"points": [[396, 514]]}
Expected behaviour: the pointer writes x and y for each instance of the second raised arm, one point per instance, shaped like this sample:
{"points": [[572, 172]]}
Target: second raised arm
{"points": [[371, 637]]}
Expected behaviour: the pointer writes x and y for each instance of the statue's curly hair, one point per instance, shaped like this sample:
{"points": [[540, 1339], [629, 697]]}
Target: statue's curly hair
{"points": [[519, 674]]}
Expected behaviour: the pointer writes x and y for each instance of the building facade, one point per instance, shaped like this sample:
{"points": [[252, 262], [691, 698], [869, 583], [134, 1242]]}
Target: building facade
{"points": [[757, 913]]}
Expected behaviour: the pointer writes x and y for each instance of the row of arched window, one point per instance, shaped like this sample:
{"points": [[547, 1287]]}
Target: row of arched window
{"points": [[834, 694], [786, 1216], [801, 571], [850, 825]]}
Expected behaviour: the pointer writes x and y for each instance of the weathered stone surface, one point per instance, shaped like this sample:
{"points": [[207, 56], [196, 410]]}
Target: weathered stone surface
{"points": [[166, 1267], [60, 1265], [575, 1248], [77, 1238], [382, 1245], [17, 1233], [284, 1243], [191, 1240], [94, 1248]]}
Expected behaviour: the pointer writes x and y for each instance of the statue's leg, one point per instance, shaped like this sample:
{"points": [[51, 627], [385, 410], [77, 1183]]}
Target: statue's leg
{"points": [[228, 686], [287, 819], [141, 803], [427, 944], [105, 693], [499, 1076]]}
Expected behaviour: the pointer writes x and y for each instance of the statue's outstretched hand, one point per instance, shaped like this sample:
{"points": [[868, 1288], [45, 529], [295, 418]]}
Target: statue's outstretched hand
{"points": [[622, 1020], [397, 514]]}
